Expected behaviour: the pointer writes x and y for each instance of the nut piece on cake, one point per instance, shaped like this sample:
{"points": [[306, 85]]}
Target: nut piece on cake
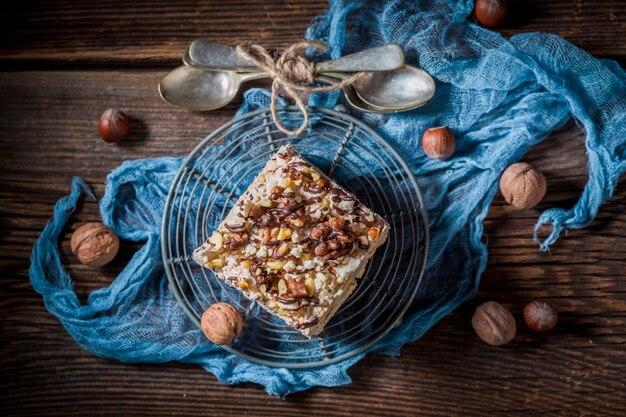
{"points": [[295, 242]]}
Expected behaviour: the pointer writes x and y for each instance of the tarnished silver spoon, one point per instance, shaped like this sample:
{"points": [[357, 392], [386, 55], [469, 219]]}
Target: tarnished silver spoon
{"points": [[215, 56], [197, 89], [404, 89]]}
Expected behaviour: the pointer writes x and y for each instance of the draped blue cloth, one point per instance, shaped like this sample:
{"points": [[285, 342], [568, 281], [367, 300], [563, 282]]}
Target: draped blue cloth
{"points": [[500, 97]]}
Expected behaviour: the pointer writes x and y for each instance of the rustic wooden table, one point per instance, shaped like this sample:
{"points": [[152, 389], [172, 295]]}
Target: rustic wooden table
{"points": [[63, 63]]}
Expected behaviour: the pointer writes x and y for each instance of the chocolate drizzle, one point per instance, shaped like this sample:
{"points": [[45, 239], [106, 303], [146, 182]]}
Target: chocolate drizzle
{"points": [[316, 189], [337, 195], [362, 218], [235, 228], [311, 201]]}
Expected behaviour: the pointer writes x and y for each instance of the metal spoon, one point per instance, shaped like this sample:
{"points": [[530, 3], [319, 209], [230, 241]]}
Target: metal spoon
{"points": [[209, 54], [197, 89], [355, 101], [395, 91], [405, 88]]}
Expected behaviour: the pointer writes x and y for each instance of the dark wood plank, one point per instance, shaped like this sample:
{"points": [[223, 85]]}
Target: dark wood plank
{"points": [[48, 134], [106, 32], [132, 33]]}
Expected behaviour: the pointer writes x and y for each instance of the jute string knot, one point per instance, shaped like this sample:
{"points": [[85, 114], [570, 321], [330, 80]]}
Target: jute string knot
{"points": [[292, 74]]}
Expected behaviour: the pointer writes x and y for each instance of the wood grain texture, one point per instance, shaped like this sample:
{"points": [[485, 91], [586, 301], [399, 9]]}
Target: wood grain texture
{"points": [[48, 134], [108, 32]]}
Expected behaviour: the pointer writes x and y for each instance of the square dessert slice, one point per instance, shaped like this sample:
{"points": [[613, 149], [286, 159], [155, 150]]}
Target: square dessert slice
{"points": [[295, 242]]}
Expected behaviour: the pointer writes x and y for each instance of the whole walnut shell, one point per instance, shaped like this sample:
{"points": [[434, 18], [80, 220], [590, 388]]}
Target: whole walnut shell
{"points": [[94, 244], [494, 324], [522, 185], [221, 323]]}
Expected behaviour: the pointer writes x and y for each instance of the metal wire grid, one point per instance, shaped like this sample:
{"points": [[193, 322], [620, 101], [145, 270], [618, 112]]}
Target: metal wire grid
{"points": [[205, 189]]}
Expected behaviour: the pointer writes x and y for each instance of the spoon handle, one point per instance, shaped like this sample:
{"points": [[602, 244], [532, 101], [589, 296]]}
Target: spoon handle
{"points": [[211, 55], [381, 58]]}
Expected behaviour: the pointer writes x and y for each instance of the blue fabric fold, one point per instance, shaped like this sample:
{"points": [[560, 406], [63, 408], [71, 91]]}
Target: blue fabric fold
{"points": [[500, 97]]}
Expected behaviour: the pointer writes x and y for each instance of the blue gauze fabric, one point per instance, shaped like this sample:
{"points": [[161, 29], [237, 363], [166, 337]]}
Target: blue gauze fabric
{"points": [[500, 97]]}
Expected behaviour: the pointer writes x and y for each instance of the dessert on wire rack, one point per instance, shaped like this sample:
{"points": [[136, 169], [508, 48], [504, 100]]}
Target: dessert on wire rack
{"points": [[221, 168]]}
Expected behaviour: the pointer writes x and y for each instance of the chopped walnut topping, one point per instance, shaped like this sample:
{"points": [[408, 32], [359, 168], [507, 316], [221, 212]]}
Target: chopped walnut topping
{"points": [[320, 231], [293, 240], [333, 238], [336, 223], [296, 289]]}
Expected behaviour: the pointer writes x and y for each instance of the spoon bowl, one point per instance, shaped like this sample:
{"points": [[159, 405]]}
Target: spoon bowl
{"points": [[396, 91], [404, 88], [198, 89]]}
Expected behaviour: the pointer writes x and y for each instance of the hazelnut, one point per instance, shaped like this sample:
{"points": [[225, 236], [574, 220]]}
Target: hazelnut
{"points": [[94, 244], [540, 316], [491, 13], [221, 323], [113, 126], [438, 142], [494, 324], [522, 185]]}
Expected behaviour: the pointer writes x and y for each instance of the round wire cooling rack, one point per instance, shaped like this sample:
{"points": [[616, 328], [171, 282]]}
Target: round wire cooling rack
{"points": [[221, 167]]}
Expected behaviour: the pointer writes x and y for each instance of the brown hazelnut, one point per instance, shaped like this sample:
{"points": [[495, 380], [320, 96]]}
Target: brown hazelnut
{"points": [[491, 13], [522, 185], [94, 244], [113, 126], [221, 323], [438, 142], [494, 324], [540, 316]]}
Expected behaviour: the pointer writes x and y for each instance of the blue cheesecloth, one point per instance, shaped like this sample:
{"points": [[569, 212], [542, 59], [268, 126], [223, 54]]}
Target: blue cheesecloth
{"points": [[500, 97]]}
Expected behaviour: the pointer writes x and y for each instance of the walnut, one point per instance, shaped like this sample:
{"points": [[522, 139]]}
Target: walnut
{"points": [[336, 223], [296, 289], [298, 217], [276, 192], [239, 239], [94, 244], [522, 185], [259, 272], [334, 244], [322, 249], [494, 324], [332, 239], [320, 231], [221, 323]]}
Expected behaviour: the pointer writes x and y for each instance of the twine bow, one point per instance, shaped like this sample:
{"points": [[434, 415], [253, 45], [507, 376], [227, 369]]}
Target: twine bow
{"points": [[292, 74]]}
